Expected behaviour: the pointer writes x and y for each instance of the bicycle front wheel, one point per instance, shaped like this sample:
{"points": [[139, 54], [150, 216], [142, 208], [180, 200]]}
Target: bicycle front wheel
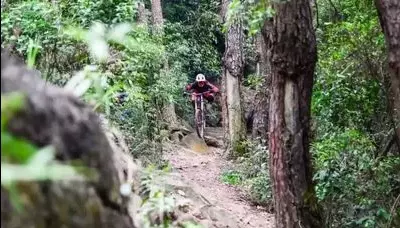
{"points": [[199, 123]]}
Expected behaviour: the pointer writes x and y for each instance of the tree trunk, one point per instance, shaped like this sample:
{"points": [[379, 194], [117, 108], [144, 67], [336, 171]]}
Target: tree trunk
{"points": [[157, 17], [389, 16], [260, 121], [233, 66], [293, 62], [142, 13], [224, 110], [224, 106], [168, 111]]}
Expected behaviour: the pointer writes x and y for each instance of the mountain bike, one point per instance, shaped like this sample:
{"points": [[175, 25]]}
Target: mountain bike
{"points": [[199, 116]]}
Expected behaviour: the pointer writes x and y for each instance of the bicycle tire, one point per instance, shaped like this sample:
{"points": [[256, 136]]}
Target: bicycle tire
{"points": [[199, 128], [199, 122]]}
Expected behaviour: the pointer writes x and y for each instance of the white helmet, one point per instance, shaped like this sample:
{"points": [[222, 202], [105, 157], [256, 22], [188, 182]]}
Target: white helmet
{"points": [[200, 78]]}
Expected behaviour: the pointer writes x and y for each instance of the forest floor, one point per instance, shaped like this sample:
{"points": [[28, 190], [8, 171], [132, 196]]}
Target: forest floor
{"points": [[203, 171]]}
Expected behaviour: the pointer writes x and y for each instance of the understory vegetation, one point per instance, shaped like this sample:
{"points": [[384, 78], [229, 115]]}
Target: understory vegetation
{"points": [[99, 49]]}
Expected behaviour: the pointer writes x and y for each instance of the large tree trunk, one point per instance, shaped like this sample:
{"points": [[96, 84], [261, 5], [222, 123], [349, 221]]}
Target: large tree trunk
{"points": [[168, 111], [389, 16], [293, 63], [233, 66]]}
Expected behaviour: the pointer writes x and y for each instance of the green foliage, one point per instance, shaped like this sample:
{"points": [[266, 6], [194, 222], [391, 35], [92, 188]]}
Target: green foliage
{"points": [[33, 20], [255, 169], [135, 60], [85, 12], [353, 186], [252, 173], [252, 13], [348, 91], [134, 64], [27, 21], [231, 177], [193, 36], [13, 149], [156, 209], [254, 81]]}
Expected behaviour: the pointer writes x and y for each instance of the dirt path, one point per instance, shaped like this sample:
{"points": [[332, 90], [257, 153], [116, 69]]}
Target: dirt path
{"points": [[204, 171]]}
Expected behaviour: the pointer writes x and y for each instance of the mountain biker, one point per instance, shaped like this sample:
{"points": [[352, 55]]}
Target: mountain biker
{"points": [[201, 85]]}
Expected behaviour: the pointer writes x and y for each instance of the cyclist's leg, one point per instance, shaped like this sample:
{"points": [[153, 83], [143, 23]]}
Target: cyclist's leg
{"points": [[209, 97], [193, 99]]}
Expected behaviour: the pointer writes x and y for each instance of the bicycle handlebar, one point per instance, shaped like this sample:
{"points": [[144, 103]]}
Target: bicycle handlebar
{"points": [[190, 93]]}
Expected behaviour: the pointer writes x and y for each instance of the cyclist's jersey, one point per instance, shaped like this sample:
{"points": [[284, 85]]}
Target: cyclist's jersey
{"points": [[207, 87]]}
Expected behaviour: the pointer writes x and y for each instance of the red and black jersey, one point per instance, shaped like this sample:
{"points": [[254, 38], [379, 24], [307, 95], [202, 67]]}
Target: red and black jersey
{"points": [[207, 87]]}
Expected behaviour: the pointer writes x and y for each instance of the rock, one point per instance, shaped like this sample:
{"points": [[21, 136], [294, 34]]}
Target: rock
{"points": [[196, 144], [219, 216], [53, 116], [176, 136], [211, 141], [182, 193]]}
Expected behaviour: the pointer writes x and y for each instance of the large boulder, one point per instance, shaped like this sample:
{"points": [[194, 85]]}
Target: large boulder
{"points": [[53, 116]]}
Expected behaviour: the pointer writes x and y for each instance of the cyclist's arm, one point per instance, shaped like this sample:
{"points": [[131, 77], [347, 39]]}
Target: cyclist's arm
{"points": [[189, 87], [213, 89]]}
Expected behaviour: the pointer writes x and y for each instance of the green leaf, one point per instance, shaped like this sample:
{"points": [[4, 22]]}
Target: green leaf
{"points": [[16, 150]]}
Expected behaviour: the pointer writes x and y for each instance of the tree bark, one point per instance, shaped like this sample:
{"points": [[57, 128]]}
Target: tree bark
{"points": [[233, 66], [142, 14], [389, 17], [293, 62], [260, 122], [157, 17], [224, 106]]}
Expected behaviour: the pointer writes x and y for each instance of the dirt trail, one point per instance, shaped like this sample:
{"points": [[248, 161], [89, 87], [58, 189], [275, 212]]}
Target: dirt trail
{"points": [[204, 171]]}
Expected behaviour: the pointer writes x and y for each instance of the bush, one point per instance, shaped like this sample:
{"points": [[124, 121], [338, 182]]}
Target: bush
{"points": [[252, 173], [355, 188], [231, 177]]}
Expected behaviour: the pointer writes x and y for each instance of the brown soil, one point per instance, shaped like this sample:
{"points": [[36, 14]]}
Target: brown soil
{"points": [[204, 171]]}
